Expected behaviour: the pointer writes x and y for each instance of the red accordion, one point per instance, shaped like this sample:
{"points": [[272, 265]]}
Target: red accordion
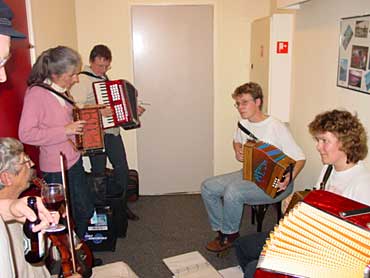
{"points": [[265, 165], [316, 240], [92, 139], [121, 96]]}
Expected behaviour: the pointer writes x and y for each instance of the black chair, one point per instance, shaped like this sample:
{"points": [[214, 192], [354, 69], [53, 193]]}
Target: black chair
{"points": [[259, 211]]}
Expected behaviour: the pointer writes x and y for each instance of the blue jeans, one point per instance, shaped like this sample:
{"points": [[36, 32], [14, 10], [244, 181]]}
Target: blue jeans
{"points": [[247, 250], [224, 197], [80, 195], [115, 151]]}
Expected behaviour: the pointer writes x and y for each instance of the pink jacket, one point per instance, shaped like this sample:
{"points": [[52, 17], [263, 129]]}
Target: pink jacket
{"points": [[42, 124]]}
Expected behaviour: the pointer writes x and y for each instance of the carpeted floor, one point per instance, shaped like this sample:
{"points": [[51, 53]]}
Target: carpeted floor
{"points": [[171, 225]]}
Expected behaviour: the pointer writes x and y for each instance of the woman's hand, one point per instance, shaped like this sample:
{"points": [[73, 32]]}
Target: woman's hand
{"points": [[75, 128]]}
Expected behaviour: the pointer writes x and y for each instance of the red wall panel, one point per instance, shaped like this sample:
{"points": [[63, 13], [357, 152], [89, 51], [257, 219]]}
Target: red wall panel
{"points": [[18, 68]]}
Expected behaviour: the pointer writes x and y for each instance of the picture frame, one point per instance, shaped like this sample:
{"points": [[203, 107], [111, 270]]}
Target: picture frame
{"points": [[354, 54]]}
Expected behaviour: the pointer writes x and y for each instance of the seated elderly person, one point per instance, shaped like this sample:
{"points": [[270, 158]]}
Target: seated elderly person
{"points": [[15, 175]]}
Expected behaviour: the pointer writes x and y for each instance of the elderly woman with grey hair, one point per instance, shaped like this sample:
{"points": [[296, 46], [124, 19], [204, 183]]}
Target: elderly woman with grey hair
{"points": [[47, 122]]}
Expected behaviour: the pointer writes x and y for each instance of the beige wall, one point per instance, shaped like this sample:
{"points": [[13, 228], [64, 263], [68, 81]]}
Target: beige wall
{"points": [[115, 32], [315, 56], [232, 64], [53, 23], [232, 34], [315, 61]]}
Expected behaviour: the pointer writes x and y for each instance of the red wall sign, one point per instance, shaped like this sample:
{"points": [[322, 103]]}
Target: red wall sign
{"points": [[281, 47]]}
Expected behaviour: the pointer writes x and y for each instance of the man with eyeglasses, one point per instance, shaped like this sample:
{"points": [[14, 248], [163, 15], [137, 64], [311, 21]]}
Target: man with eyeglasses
{"points": [[15, 176], [100, 62], [224, 196]]}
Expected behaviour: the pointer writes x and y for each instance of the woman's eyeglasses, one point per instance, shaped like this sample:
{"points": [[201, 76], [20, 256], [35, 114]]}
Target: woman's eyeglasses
{"points": [[27, 161]]}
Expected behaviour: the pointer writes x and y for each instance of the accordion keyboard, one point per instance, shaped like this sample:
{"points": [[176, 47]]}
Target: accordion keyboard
{"points": [[120, 96], [102, 98]]}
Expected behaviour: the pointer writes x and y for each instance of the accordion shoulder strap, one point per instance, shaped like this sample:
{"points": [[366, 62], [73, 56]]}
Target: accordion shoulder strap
{"points": [[246, 131], [326, 177], [93, 75], [47, 87]]}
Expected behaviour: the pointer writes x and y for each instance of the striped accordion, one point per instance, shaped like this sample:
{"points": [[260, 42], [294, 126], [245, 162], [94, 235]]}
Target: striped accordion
{"points": [[315, 239], [265, 165]]}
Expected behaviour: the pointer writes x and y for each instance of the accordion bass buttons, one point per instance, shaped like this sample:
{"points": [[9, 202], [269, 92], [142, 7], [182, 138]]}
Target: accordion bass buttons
{"points": [[275, 183]]}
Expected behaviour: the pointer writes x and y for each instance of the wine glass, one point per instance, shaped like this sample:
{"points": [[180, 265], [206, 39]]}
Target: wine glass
{"points": [[52, 195]]}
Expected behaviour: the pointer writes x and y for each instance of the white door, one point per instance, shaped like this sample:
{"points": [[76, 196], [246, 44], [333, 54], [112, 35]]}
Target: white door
{"points": [[173, 71]]}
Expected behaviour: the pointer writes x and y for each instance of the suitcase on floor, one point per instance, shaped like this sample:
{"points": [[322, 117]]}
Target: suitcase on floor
{"points": [[133, 186]]}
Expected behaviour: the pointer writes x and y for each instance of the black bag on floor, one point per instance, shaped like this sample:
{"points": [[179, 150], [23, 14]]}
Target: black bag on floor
{"points": [[101, 233], [133, 185], [101, 184]]}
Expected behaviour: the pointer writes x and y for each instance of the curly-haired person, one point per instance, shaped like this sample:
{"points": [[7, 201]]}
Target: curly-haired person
{"points": [[342, 142]]}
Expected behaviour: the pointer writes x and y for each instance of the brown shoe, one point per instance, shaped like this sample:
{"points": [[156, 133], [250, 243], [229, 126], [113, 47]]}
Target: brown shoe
{"points": [[223, 243], [216, 239]]}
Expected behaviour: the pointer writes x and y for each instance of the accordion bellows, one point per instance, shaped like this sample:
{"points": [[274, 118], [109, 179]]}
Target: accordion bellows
{"points": [[308, 242], [265, 165]]}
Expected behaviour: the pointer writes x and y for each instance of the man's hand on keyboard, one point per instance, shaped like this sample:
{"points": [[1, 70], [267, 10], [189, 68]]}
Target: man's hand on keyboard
{"points": [[106, 112]]}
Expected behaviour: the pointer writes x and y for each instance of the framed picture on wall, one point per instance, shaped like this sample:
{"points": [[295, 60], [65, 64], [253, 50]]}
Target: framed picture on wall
{"points": [[354, 51]]}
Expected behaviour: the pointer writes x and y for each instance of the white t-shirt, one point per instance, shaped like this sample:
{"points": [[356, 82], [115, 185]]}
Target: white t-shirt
{"points": [[353, 183], [271, 131], [6, 261]]}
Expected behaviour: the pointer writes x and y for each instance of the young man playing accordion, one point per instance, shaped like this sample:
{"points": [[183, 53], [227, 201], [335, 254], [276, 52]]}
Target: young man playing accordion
{"points": [[224, 196]]}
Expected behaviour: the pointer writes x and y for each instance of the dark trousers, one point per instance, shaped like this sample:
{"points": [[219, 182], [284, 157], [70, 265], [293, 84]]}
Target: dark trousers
{"points": [[248, 249], [80, 195], [115, 151]]}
